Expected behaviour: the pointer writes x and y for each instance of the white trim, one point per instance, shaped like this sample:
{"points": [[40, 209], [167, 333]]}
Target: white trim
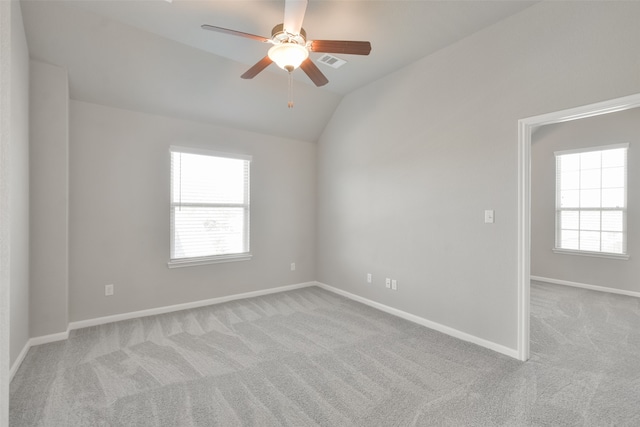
{"points": [[524, 238], [609, 255], [585, 286], [585, 111], [424, 322], [61, 336], [185, 306], [525, 128], [44, 339], [590, 149], [188, 262], [19, 360], [207, 152]]}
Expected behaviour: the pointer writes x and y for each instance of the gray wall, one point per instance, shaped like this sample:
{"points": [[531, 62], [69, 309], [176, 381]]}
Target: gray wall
{"points": [[119, 212], [18, 164], [592, 132], [49, 193], [408, 164]]}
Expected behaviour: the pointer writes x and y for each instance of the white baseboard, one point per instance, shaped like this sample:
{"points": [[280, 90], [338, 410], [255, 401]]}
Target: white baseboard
{"points": [[585, 286], [143, 313], [425, 322], [19, 359], [202, 303], [30, 343], [45, 339], [185, 306]]}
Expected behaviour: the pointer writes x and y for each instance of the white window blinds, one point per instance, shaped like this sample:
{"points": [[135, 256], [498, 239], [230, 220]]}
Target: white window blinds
{"points": [[209, 206], [591, 200]]}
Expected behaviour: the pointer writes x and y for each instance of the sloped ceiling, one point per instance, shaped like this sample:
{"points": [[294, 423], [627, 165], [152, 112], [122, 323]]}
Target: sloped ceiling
{"points": [[152, 56]]}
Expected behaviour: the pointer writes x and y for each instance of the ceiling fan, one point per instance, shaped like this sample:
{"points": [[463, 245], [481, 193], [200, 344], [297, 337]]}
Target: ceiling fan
{"points": [[291, 48]]}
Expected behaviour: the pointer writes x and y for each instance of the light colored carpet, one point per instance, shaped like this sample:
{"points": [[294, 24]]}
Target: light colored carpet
{"points": [[309, 357]]}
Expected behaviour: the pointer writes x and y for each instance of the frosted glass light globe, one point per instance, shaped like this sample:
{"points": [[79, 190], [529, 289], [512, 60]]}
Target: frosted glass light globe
{"points": [[288, 56]]}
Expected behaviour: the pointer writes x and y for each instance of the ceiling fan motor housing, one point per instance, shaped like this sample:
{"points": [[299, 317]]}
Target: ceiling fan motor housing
{"points": [[279, 35]]}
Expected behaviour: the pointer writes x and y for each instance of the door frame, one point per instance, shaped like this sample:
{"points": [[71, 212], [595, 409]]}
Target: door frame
{"points": [[526, 127]]}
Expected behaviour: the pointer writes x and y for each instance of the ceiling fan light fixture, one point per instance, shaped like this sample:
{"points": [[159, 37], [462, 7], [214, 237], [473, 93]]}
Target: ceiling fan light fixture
{"points": [[288, 56]]}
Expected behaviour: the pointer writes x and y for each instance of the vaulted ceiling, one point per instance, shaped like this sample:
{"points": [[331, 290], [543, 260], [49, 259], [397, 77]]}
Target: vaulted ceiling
{"points": [[152, 56]]}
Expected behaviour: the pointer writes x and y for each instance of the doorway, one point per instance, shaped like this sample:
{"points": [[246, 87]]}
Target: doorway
{"points": [[525, 128]]}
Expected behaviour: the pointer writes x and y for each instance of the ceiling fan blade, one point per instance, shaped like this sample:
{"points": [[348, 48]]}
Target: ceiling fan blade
{"points": [[260, 65], [313, 72], [294, 15], [234, 33], [341, 46]]}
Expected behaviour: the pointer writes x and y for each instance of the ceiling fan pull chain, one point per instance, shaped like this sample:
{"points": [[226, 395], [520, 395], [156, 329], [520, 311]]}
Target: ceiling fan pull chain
{"points": [[290, 101]]}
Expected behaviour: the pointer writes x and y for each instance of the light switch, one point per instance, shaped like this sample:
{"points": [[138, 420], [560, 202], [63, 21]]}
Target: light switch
{"points": [[488, 216]]}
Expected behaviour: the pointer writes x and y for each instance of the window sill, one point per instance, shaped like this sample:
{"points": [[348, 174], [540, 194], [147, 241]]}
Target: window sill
{"points": [[592, 254], [189, 262]]}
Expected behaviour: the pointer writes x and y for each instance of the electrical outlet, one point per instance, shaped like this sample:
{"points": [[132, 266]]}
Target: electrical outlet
{"points": [[369, 278], [108, 290], [387, 283], [394, 284], [293, 266]]}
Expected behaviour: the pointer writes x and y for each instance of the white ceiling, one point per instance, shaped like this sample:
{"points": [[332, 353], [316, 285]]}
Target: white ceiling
{"points": [[152, 55]]}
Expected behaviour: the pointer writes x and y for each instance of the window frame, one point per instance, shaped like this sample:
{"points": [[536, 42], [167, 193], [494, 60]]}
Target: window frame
{"points": [[210, 259], [558, 208]]}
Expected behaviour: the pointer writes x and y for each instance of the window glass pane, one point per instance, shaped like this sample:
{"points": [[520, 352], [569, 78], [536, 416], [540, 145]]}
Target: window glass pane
{"points": [[590, 178], [202, 232], [569, 220], [570, 199], [612, 221], [590, 160], [569, 239], [570, 180], [612, 242], [613, 198], [590, 198], [207, 179], [209, 205], [590, 220], [613, 177], [590, 241], [612, 158], [569, 162]]}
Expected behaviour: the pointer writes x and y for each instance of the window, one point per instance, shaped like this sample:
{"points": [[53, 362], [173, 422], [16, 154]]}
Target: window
{"points": [[209, 207], [591, 201]]}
